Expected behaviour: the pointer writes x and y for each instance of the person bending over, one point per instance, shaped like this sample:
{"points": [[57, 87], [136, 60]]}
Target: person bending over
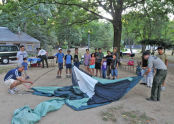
{"points": [[160, 75], [13, 78]]}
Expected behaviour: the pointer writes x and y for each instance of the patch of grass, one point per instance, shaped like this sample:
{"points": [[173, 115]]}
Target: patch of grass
{"points": [[114, 114], [5, 69], [111, 114], [108, 116], [135, 117], [129, 114]]}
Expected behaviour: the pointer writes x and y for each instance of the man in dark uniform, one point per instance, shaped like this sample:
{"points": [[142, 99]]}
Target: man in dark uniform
{"points": [[161, 73]]}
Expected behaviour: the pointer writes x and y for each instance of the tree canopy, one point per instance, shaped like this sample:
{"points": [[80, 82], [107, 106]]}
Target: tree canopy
{"points": [[60, 22]]}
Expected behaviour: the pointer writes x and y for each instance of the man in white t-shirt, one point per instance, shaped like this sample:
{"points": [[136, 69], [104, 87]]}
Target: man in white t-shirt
{"points": [[21, 55], [43, 55]]}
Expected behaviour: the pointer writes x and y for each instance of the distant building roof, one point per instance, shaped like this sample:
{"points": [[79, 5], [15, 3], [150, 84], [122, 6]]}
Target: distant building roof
{"points": [[8, 36]]}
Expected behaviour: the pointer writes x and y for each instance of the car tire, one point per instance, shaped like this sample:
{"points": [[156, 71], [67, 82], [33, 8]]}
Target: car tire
{"points": [[5, 60]]}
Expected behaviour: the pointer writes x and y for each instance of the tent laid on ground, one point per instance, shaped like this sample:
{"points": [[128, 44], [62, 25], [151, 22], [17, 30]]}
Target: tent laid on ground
{"points": [[86, 92]]}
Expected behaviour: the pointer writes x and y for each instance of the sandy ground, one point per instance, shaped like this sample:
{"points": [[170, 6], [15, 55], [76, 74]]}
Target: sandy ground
{"points": [[162, 112]]}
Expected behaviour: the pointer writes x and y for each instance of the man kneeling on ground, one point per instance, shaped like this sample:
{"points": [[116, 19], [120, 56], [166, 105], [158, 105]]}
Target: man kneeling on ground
{"points": [[13, 78]]}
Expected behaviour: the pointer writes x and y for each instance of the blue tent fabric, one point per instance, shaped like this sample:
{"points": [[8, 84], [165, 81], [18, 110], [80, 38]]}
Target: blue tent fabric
{"points": [[106, 91], [112, 91], [109, 92], [44, 91], [70, 92], [81, 104], [26, 115]]}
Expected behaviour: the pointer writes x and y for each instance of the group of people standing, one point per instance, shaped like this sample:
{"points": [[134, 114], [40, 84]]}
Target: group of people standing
{"points": [[67, 59], [97, 64], [104, 66]]}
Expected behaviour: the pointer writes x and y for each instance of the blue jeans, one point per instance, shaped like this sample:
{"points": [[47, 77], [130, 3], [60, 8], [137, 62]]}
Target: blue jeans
{"points": [[114, 72], [104, 73], [77, 64]]}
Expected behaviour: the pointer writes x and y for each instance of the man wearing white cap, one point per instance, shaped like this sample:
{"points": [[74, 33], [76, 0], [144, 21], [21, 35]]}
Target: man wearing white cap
{"points": [[59, 60]]}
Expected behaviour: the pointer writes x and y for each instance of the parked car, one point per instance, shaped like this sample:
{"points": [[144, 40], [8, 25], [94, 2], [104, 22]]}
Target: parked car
{"points": [[8, 52]]}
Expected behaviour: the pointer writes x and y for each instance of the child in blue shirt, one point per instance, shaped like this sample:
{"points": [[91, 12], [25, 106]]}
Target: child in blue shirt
{"points": [[104, 67], [59, 60], [68, 62], [25, 65]]}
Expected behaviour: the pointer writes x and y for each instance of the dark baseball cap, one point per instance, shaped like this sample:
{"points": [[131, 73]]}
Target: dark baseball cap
{"points": [[160, 48], [146, 53]]}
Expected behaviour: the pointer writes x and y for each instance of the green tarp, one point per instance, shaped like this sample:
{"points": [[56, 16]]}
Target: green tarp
{"points": [[26, 115]]}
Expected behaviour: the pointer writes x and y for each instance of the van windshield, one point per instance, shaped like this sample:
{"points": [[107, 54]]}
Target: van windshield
{"points": [[8, 48]]}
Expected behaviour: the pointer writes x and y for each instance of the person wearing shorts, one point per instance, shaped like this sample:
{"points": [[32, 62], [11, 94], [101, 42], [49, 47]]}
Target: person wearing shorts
{"points": [[13, 78], [59, 60], [68, 63], [99, 58], [87, 57], [114, 66], [92, 64]]}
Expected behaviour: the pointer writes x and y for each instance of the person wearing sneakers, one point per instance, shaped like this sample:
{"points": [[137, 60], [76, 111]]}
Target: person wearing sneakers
{"points": [[164, 58], [13, 78], [68, 63], [59, 56]]}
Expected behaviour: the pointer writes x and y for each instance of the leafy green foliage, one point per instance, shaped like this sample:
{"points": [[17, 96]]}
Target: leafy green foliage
{"points": [[55, 22]]}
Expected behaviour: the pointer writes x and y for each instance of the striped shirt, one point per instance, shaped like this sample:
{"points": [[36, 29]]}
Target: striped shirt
{"points": [[12, 74]]}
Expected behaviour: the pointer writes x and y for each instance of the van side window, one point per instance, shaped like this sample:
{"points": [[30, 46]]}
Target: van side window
{"points": [[4, 49], [13, 48]]}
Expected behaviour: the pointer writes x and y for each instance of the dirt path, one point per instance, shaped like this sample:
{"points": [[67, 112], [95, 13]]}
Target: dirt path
{"points": [[161, 112]]}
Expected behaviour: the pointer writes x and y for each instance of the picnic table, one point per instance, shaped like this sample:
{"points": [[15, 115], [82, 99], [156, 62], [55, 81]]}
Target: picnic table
{"points": [[34, 61]]}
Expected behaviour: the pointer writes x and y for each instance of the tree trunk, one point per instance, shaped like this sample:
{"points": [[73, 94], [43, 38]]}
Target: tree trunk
{"points": [[131, 49], [172, 51], [143, 48], [117, 26], [25, 27]]}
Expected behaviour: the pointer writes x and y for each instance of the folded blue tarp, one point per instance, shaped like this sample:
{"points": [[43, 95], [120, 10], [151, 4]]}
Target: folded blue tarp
{"points": [[26, 115], [105, 92]]}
